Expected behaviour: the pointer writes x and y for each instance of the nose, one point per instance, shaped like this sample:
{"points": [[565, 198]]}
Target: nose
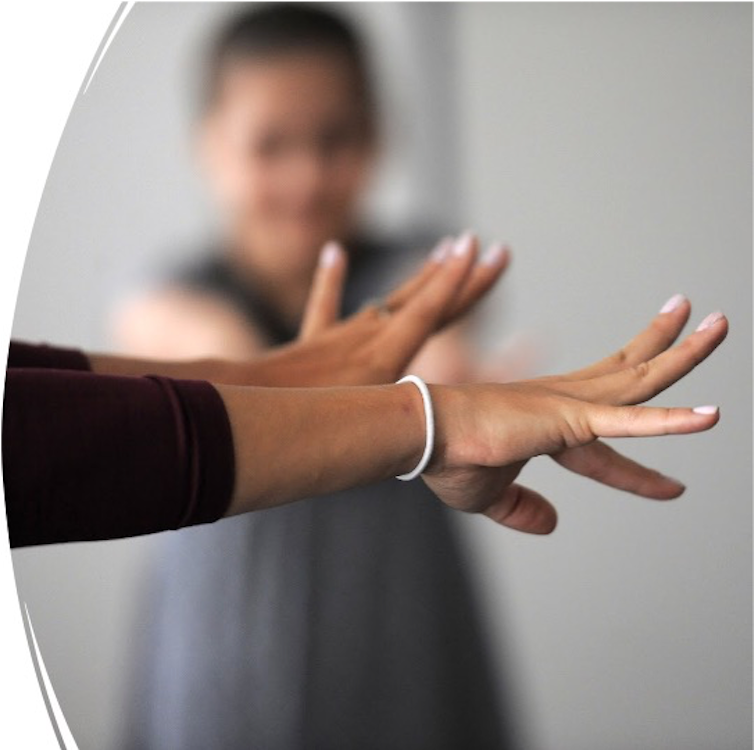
{"points": [[309, 173]]}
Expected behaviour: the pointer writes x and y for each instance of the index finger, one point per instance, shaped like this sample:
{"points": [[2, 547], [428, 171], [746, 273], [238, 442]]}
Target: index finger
{"points": [[641, 382], [660, 334]]}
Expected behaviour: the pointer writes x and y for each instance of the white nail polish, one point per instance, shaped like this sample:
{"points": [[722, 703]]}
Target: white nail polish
{"points": [[494, 254], [463, 244], [673, 303], [706, 409], [329, 255], [710, 320]]}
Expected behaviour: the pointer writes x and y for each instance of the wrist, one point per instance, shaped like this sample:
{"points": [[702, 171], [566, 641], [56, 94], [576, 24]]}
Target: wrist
{"points": [[446, 402], [411, 447], [429, 428], [292, 443]]}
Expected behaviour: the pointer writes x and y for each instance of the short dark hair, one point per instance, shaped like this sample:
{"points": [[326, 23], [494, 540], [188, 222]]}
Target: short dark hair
{"points": [[285, 27]]}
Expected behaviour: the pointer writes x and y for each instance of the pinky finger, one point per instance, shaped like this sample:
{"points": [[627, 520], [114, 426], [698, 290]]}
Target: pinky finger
{"points": [[525, 510], [647, 421]]}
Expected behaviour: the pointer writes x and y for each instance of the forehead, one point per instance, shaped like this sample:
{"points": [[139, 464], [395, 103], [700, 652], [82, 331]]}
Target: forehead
{"points": [[288, 85]]}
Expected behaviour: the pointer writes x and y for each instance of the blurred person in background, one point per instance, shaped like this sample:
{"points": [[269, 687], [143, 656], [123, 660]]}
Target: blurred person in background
{"points": [[348, 623]]}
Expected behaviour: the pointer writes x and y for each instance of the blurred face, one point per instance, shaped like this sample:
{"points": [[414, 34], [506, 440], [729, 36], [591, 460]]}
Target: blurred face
{"points": [[287, 154]]}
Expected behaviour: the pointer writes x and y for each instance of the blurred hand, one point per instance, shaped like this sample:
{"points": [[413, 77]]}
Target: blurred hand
{"points": [[375, 345], [486, 433]]}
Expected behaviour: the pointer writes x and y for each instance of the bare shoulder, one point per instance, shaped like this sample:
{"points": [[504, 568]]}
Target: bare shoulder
{"points": [[181, 323]]}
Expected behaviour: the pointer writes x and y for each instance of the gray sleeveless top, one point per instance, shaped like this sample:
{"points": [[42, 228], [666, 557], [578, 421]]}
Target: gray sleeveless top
{"points": [[341, 623]]}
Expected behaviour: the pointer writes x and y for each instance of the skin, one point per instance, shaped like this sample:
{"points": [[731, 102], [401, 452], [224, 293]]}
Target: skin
{"points": [[291, 443], [283, 193], [287, 152], [371, 347]]}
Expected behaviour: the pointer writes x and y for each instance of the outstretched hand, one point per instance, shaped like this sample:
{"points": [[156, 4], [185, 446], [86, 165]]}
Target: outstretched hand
{"points": [[376, 344], [487, 433]]}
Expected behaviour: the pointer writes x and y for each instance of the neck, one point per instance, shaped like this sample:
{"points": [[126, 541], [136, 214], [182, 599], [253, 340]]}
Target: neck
{"points": [[285, 291]]}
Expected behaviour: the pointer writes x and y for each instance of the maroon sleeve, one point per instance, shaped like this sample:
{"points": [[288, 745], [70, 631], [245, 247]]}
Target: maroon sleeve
{"points": [[47, 357], [90, 456]]}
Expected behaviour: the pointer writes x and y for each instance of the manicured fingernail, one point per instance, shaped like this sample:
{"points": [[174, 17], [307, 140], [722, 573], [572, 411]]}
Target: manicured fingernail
{"points": [[673, 303], [706, 409], [463, 244], [710, 320], [329, 255], [495, 254], [440, 253]]}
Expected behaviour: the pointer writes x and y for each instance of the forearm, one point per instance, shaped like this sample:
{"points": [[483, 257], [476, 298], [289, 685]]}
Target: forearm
{"points": [[213, 370], [296, 443], [284, 366]]}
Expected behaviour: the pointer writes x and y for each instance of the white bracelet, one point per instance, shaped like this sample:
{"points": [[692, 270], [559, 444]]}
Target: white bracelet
{"points": [[429, 417]]}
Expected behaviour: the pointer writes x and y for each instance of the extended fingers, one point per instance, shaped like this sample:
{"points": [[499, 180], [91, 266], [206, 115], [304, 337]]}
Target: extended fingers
{"points": [[492, 265], [406, 291], [641, 382], [410, 326], [600, 462], [647, 421], [325, 297], [661, 333], [523, 509]]}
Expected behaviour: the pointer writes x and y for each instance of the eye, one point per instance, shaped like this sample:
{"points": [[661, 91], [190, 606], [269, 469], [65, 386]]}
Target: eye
{"points": [[338, 137]]}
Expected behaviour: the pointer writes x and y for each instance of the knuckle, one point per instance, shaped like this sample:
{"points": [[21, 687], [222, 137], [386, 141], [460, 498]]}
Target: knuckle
{"points": [[668, 416], [513, 504], [622, 357], [642, 370], [577, 429]]}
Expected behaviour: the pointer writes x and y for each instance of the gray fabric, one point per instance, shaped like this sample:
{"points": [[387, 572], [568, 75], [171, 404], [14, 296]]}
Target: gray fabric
{"points": [[344, 622]]}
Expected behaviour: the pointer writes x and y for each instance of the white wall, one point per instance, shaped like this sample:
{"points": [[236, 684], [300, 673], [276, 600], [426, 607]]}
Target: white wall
{"points": [[611, 144]]}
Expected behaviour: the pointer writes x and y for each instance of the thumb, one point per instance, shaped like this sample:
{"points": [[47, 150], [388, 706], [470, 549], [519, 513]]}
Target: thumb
{"points": [[326, 294], [523, 509]]}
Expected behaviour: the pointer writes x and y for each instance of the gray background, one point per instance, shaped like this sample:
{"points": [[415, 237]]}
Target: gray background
{"points": [[611, 144]]}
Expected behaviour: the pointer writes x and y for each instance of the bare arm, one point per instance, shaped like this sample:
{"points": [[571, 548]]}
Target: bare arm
{"points": [[183, 324], [125, 456], [294, 443], [373, 346]]}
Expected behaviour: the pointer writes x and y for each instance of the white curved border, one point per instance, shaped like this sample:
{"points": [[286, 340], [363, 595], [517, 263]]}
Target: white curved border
{"points": [[60, 725], [46, 52], [123, 11]]}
